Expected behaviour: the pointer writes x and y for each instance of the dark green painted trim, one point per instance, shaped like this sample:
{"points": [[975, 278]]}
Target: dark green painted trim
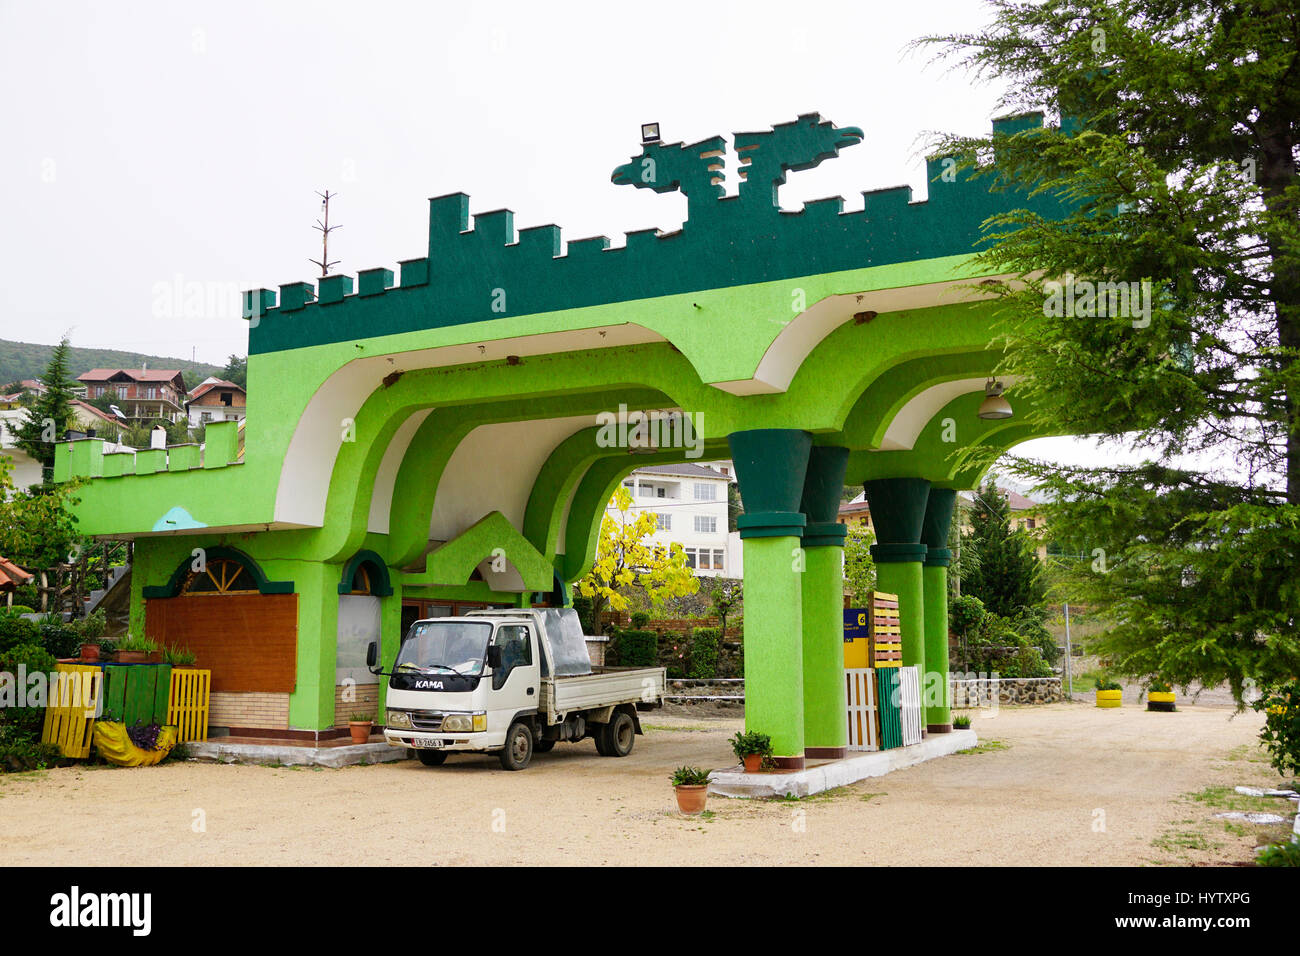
{"points": [[824, 534], [727, 241], [217, 552], [380, 584], [771, 524], [938, 557], [897, 553]]}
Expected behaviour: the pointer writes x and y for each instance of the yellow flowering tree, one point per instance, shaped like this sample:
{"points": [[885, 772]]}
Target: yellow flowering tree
{"points": [[625, 559]]}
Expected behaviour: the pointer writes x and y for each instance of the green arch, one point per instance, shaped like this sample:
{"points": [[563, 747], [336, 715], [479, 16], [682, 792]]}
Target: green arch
{"points": [[455, 561], [217, 552], [380, 584]]}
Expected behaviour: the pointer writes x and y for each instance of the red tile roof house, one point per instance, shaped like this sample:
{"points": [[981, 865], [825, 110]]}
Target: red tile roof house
{"points": [[142, 395], [216, 400]]}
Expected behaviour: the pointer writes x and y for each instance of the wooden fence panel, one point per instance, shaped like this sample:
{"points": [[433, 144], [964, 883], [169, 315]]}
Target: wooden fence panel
{"points": [[191, 691], [887, 705], [70, 708], [909, 709], [864, 732]]}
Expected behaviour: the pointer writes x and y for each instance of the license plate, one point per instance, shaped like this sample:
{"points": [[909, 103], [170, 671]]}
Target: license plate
{"points": [[420, 743]]}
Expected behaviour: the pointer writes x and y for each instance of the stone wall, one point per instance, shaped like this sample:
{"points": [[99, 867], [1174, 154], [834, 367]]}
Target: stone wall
{"points": [[1010, 690]]}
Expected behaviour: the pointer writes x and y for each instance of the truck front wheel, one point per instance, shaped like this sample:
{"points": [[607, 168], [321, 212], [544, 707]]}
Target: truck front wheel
{"points": [[432, 758], [519, 747], [620, 735]]}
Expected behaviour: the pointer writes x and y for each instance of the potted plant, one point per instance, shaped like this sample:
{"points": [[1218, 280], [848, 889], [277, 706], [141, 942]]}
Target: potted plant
{"points": [[91, 629], [961, 722], [359, 727], [1160, 697], [1109, 692], [752, 749], [691, 785], [134, 650]]}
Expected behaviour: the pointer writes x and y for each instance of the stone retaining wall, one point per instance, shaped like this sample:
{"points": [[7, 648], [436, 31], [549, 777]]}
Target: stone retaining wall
{"points": [[1010, 690]]}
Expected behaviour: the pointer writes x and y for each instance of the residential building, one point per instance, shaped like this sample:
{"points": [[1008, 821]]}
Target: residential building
{"points": [[216, 400], [24, 470], [689, 502], [142, 394]]}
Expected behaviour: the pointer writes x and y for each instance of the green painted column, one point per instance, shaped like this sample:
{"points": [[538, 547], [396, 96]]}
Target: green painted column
{"points": [[825, 706], [771, 465], [935, 693], [897, 513]]}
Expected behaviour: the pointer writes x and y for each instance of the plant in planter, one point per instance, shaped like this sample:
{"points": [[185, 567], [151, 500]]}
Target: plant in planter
{"points": [[1160, 697], [135, 650], [91, 629], [691, 785], [961, 721], [1109, 692], [752, 749], [178, 656], [359, 726]]}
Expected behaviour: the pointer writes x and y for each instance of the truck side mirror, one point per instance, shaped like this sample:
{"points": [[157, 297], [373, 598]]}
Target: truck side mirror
{"points": [[494, 656], [372, 654]]}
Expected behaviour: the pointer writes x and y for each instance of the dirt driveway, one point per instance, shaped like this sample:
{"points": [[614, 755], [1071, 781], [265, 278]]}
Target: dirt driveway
{"points": [[1060, 784]]}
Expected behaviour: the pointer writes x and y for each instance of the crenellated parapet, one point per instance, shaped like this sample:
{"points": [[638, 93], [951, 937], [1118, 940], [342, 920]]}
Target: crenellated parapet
{"points": [[478, 267], [86, 458]]}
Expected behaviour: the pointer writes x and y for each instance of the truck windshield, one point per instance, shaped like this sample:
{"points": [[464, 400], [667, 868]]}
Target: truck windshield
{"points": [[456, 646]]}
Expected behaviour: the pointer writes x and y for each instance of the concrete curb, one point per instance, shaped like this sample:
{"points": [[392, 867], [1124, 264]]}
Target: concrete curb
{"points": [[839, 773], [218, 752]]}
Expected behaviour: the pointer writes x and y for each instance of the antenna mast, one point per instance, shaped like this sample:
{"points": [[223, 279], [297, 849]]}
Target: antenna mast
{"points": [[324, 228]]}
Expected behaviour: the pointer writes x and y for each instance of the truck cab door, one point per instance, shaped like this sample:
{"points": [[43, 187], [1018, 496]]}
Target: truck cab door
{"points": [[516, 683]]}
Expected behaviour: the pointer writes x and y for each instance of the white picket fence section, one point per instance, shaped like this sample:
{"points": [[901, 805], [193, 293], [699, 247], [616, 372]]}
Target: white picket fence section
{"points": [[862, 708], [909, 707]]}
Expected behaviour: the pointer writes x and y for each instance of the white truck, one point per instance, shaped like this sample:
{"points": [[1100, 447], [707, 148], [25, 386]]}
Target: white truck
{"points": [[510, 682]]}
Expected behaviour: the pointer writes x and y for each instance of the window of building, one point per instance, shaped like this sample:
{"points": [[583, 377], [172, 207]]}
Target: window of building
{"points": [[647, 491], [205, 416], [220, 576], [690, 557], [1029, 523], [718, 564], [663, 522], [706, 491], [226, 398], [151, 391], [706, 524]]}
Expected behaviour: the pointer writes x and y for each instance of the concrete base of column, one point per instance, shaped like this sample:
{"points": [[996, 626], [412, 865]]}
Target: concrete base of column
{"points": [[825, 753]]}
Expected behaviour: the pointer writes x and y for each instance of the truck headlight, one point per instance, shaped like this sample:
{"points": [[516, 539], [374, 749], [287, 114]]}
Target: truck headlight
{"points": [[398, 718], [464, 723]]}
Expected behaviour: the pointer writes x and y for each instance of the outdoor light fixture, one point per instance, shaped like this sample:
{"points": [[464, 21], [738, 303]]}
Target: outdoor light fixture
{"points": [[649, 132], [994, 406]]}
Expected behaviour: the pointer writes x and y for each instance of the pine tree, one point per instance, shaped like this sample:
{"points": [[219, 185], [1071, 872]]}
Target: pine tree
{"points": [[1006, 574], [1173, 127], [50, 415]]}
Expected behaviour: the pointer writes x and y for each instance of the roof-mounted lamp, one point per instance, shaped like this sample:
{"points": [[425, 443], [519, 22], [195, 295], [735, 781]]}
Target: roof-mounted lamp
{"points": [[994, 407], [649, 133]]}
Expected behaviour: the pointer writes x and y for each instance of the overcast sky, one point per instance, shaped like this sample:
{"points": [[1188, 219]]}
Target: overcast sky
{"points": [[160, 157]]}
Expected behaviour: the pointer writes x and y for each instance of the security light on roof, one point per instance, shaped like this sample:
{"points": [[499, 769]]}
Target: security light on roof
{"points": [[649, 132]]}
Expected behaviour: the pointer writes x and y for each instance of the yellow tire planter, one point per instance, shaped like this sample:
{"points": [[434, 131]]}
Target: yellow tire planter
{"points": [[115, 746], [1159, 700], [1109, 698]]}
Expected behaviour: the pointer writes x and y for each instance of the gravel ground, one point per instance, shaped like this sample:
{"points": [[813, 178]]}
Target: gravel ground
{"points": [[1063, 784]]}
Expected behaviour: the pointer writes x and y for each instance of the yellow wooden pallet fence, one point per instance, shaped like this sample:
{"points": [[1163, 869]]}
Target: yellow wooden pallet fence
{"points": [[70, 708], [187, 707]]}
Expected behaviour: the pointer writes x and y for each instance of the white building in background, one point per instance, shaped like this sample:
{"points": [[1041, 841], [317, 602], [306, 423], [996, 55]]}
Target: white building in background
{"points": [[689, 502]]}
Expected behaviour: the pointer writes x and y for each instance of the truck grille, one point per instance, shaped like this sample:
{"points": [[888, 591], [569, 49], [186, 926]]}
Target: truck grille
{"points": [[426, 722]]}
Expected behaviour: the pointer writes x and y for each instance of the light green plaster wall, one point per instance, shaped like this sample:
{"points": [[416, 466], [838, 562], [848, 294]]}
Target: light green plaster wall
{"points": [[825, 704]]}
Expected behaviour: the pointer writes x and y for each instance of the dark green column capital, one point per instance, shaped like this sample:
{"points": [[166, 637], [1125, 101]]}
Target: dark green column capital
{"points": [[938, 516], [938, 557], [898, 510], [897, 553], [824, 534], [771, 465]]}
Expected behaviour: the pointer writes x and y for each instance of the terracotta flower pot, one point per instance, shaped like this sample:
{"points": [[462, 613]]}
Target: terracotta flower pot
{"points": [[89, 652], [691, 798], [753, 763], [131, 657], [360, 730]]}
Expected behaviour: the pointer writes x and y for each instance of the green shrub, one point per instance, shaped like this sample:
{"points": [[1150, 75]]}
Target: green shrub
{"points": [[20, 662], [17, 609], [1279, 854], [704, 653], [16, 630], [1031, 629], [1106, 682], [636, 648], [747, 744], [19, 751], [639, 620], [583, 606], [1280, 734], [965, 615], [961, 721], [674, 654], [60, 639]]}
